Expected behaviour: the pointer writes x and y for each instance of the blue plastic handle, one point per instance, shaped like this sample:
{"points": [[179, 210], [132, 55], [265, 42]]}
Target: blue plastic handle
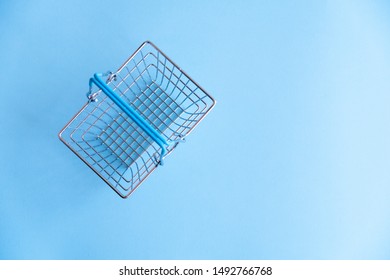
{"points": [[159, 139]]}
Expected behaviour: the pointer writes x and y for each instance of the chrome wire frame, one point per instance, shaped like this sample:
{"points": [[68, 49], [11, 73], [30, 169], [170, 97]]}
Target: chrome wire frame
{"points": [[111, 143]]}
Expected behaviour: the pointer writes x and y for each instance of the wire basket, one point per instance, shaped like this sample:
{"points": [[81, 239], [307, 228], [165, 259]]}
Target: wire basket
{"points": [[135, 117]]}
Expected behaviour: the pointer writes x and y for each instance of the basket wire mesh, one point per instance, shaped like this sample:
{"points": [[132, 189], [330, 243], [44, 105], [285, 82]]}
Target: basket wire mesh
{"points": [[135, 118]]}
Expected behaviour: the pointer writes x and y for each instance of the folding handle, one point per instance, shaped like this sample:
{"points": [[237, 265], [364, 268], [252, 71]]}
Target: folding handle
{"points": [[160, 140]]}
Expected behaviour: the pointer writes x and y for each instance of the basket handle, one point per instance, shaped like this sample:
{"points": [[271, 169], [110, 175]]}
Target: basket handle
{"points": [[159, 139]]}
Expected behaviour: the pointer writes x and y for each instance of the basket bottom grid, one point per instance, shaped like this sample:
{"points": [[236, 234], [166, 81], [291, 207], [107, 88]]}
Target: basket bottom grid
{"points": [[157, 107], [124, 141]]}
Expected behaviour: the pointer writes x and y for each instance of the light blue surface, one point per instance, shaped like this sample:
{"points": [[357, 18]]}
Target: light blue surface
{"points": [[293, 162]]}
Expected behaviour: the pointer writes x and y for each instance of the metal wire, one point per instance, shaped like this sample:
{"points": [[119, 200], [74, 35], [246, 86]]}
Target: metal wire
{"points": [[111, 143]]}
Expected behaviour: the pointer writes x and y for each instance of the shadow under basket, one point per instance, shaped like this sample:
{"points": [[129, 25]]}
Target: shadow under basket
{"points": [[135, 117]]}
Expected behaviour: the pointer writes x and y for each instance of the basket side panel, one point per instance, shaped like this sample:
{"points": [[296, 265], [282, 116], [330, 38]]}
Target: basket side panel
{"points": [[110, 143], [162, 93]]}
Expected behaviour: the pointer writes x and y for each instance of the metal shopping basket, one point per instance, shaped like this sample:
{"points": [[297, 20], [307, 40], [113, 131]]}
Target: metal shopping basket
{"points": [[135, 117]]}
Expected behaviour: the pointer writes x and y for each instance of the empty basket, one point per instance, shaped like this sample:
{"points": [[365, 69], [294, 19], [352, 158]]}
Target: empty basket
{"points": [[135, 117]]}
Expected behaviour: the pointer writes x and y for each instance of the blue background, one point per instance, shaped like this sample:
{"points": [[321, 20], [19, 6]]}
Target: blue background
{"points": [[293, 162]]}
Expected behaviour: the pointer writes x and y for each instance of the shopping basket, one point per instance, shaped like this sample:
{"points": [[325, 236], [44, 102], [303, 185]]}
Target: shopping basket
{"points": [[135, 117]]}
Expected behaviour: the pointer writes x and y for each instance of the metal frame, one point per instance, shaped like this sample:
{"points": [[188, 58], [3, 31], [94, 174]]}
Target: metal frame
{"points": [[135, 118]]}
